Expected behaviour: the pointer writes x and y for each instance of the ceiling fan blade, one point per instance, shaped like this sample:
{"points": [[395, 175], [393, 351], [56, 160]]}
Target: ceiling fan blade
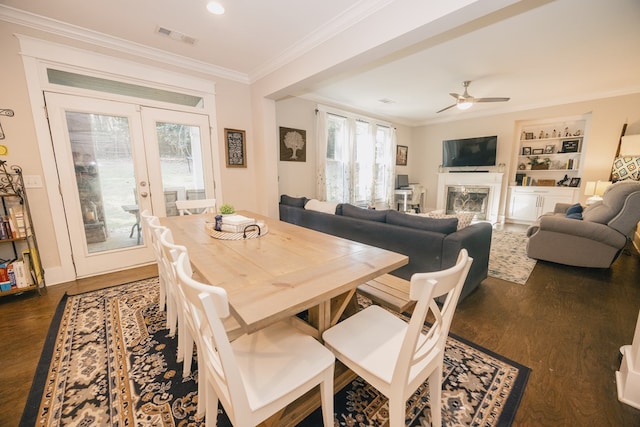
{"points": [[491, 99], [446, 108], [455, 95]]}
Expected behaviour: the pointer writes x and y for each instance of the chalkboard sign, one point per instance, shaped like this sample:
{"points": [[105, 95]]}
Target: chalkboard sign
{"points": [[570, 145]]}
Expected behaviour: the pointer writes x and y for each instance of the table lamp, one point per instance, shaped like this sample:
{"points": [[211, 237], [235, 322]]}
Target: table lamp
{"points": [[595, 189]]}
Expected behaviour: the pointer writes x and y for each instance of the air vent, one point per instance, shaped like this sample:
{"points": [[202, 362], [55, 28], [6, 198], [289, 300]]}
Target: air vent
{"points": [[176, 35], [386, 101]]}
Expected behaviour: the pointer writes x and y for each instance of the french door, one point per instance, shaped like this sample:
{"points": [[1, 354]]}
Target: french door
{"points": [[115, 160]]}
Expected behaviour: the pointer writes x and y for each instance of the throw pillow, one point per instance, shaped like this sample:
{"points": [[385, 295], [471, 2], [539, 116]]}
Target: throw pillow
{"points": [[575, 215], [293, 201], [366, 214], [317, 205], [464, 219], [574, 209], [438, 225]]}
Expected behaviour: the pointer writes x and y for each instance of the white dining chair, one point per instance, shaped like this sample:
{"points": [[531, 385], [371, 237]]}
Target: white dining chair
{"points": [[152, 229], [396, 357], [196, 206], [256, 375], [170, 253]]}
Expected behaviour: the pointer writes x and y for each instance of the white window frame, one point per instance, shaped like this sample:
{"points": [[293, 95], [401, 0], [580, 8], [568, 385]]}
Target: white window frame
{"points": [[376, 166]]}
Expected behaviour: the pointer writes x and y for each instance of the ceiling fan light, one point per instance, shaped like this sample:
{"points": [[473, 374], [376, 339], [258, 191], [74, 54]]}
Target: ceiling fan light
{"points": [[464, 105], [215, 8]]}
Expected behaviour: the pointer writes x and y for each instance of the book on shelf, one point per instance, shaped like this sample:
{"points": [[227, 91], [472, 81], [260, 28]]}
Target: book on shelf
{"points": [[32, 266], [17, 222]]}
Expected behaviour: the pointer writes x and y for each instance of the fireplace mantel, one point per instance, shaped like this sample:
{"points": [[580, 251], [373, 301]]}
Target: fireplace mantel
{"points": [[492, 180]]}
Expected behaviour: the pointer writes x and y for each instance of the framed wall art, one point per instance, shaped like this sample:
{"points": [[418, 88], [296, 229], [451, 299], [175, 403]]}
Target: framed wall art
{"points": [[235, 148], [402, 152], [293, 145]]}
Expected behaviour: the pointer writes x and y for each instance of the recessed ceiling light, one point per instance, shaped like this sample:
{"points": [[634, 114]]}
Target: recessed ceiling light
{"points": [[215, 8]]}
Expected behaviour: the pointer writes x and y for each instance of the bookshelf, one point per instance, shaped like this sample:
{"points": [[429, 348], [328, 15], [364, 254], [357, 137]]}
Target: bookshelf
{"points": [[20, 267]]}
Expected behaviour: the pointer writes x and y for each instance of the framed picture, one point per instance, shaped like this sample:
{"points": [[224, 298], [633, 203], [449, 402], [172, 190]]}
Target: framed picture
{"points": [[537, 151], [575, 182], [528, 135], [570, 145], [526, 151], [549, 149], [235, 148], [402, 151], [293, 145]]}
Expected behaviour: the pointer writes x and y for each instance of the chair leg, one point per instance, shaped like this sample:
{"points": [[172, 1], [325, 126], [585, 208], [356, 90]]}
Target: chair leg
{"points": [[397, 412], [326, 399], [172, 316], [187, 355], [211, 413], [202, 387], [163, 294], [435, 396]]}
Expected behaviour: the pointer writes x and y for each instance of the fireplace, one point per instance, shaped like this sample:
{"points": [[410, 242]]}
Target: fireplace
{"points": [[470, 192], [468, 199]]}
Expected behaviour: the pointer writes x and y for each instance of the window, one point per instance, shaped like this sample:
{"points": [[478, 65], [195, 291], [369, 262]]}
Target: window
{"points": [[359, 160]]}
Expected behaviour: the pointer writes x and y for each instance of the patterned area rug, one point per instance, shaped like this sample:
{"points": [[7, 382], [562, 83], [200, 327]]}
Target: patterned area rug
{"points": [[508, 258], [107, 361]]}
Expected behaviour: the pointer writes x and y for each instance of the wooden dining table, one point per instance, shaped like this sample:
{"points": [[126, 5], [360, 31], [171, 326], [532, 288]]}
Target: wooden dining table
{"points": [[283, 272]]}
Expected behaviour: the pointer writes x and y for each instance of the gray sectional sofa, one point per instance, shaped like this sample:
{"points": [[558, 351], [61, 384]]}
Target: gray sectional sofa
{"points": [[431, 244]]}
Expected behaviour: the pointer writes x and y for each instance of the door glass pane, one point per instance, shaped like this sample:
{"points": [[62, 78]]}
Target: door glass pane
{"points": [[180, 163], [104, 171]]}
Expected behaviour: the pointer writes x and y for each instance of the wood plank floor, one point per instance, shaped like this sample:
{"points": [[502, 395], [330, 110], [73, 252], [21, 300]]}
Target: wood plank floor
{"points": [[567, 324]]}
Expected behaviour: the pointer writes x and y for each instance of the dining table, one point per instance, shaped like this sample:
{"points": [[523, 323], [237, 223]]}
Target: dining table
{"points": [[284, 271]]}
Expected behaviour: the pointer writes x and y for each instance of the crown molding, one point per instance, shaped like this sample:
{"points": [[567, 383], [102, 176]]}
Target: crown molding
{"points": [[52, 26]]}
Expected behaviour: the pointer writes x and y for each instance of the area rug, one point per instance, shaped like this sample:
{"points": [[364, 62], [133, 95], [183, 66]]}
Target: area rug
{"points": [[108, 361], [508, 258]]}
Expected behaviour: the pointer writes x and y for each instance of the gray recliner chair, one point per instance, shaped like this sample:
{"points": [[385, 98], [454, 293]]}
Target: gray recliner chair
{"points": [[597, 238]]}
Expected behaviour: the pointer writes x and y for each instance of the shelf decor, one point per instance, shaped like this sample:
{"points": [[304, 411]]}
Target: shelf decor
{"points": [[23, 270]]}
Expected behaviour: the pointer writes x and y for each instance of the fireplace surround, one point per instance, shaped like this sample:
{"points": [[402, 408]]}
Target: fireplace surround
{"points": [[476, 192]]}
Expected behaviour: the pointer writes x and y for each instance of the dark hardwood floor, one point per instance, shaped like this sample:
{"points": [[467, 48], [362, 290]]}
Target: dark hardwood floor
{"points": [[567, 324]]}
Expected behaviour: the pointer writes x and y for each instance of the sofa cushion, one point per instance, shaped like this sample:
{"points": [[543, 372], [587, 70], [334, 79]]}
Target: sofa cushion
{"points": [[439, 225], [317, 205], [464, 219], [298, 202], [366, 214]]}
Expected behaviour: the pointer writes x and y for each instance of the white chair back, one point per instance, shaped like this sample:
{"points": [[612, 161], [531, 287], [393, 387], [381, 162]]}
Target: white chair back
{"points": [[256, 375], [208, 305], [196, 206], [397, 357], [424, 289]]}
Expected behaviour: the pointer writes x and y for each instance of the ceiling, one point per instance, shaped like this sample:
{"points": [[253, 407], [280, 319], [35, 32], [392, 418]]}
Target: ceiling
{"points": [[556, 52]]}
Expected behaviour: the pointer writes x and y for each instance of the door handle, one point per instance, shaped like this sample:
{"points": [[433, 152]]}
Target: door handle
{"points": [[144, 194]]}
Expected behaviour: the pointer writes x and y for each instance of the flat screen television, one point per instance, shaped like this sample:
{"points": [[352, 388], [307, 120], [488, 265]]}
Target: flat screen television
{"points": [[480, 151]]}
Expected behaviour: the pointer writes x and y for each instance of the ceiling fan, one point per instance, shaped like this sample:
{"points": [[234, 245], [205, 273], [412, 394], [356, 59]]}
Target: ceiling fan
{"points": [[465, 100]]}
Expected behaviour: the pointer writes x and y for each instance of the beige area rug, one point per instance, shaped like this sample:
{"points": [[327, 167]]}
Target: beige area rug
{"points": [[508, 258]]}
